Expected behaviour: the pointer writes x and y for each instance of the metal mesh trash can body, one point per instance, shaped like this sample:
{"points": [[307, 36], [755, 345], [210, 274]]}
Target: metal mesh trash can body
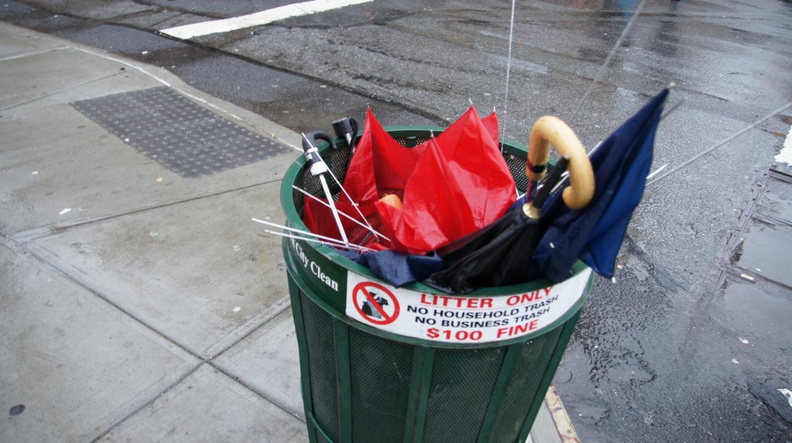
{"points": [[422, 366]]}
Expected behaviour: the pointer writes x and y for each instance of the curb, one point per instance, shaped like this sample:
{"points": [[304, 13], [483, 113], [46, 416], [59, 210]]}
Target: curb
{"points": [[563, 423]]}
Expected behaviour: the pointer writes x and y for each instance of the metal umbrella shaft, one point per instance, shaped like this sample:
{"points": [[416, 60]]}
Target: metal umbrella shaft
{"points": [[319, 169], [333, 209]]}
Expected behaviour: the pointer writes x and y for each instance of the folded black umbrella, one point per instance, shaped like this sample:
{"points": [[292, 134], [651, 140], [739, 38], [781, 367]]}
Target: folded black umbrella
{"points": [[499, 253]]}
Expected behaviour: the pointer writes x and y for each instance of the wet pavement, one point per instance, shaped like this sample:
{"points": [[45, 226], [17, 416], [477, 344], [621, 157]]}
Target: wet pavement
{"points": [[709, 367], [691, 343], [138, 300], [115, 270]]}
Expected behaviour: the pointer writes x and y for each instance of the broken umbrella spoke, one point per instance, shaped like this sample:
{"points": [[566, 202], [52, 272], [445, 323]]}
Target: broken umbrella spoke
{"points": [[310, 236], [318, 169], [367, 226]]}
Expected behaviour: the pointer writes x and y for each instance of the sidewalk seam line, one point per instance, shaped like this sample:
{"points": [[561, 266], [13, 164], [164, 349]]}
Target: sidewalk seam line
{"points": [[177, 382], [286, 307], [70, 277], [203, 360], [32, 53], [58, 91], [45, 231], [252, 389], [194, 353]]}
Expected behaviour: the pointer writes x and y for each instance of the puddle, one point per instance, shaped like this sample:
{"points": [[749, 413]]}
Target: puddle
{"points": [[767, 240], [758, 315]]}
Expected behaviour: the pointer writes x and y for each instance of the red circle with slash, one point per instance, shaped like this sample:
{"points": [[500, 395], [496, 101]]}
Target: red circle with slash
{"points": [[369, 290]]}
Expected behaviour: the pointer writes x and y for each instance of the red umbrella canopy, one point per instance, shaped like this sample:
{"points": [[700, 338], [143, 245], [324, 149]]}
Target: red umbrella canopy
{"points": [[449, 186]]}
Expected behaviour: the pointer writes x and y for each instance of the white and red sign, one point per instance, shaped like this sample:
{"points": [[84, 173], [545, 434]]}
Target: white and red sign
{"points": [[460, 319]]}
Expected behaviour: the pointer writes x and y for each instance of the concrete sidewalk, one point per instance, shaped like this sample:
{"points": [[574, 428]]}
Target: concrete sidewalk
{"points": [[138, 302]]}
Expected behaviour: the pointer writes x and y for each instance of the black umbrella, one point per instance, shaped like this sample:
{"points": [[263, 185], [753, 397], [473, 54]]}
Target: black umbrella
{"points": [[499, 254]]}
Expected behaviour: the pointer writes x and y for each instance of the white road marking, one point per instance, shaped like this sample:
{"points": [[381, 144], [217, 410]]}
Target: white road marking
{"points": [[786, 393], [259, 18], [785, 156]]}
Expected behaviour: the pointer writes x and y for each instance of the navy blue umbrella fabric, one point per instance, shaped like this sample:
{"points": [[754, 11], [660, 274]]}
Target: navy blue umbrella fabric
{"points": [[594, 234], [397, 268]]}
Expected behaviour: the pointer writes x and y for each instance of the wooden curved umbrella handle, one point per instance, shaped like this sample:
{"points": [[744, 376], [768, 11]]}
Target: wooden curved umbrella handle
{"points": [[550, 130]]}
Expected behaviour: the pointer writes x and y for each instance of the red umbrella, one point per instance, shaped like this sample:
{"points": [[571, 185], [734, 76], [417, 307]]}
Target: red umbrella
{"points": [[449, 186]]}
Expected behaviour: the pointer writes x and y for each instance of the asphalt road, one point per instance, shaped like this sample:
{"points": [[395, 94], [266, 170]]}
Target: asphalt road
{"points": [[680, 348]]}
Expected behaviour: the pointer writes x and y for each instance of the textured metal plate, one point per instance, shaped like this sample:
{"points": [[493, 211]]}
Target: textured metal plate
{"points": [[177, 133]]}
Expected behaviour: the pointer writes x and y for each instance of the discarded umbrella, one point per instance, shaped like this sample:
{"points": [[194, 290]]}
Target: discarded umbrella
{"points": [[499, 254], [594, 234]]}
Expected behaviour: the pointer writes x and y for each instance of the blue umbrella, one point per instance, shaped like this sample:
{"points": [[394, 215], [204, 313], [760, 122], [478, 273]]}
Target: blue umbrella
{"points": [[396, 268], [595, 233]]}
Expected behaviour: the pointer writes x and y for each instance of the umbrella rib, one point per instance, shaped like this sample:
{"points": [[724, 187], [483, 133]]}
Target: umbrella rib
{"points": [[321, 242], [657, 171], [508, 74], [609, 57], [354, 204], [718, 145], [319, 200], [318, 168], [312, 236]]}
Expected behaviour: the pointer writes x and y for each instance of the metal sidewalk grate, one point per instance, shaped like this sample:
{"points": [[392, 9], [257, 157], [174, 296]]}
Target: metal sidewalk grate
{"points": [[177, 133]]}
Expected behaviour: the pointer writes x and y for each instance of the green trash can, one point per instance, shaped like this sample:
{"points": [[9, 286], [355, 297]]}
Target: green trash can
{"points": [[424, 366]]}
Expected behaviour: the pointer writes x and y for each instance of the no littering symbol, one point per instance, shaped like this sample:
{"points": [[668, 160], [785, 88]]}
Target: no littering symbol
{"points": [[375, 303]]}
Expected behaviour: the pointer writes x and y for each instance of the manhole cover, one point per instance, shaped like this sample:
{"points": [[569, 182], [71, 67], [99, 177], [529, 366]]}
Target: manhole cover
{"points": [[177, 133]]}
